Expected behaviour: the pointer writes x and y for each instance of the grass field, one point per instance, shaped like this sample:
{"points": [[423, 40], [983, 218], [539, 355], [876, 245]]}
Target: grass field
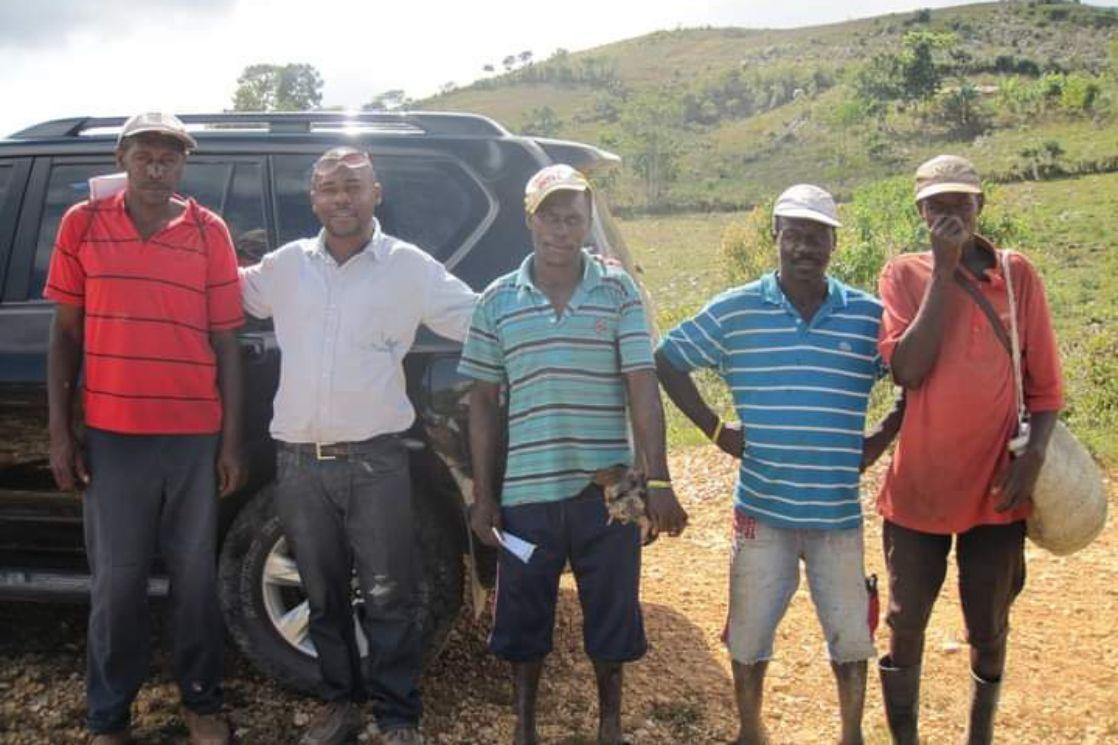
{"points": [[1072, 228]]}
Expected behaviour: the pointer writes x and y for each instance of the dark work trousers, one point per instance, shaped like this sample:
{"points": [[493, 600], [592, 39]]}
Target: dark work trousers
{"points": [[355, 512], [149, 493]]}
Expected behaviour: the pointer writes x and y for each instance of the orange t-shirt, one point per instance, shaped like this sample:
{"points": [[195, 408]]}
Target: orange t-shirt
{"points": [[952, 444]]}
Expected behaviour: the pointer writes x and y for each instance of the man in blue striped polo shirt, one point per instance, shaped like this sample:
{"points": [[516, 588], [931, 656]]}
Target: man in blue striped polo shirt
{"points": [[798, 350], [566, 334]]}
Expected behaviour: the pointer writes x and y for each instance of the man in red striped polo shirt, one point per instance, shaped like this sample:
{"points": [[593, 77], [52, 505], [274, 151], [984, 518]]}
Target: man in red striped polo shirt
{"points": [[147, 306]]}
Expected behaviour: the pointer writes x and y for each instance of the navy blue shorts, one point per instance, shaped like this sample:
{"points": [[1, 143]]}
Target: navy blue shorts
{"points": [[606, 561]]}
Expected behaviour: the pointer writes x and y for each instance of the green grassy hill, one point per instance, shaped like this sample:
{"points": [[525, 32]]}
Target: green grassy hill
{"points": [[730, 116]]}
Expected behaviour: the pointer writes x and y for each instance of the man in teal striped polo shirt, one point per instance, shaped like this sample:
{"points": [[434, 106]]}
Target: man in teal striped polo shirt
{"points": [[798, 350], [566, 335]]}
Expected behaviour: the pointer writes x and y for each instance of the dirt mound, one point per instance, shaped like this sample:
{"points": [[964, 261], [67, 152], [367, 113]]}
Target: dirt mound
{"points": [[1062, 684]]}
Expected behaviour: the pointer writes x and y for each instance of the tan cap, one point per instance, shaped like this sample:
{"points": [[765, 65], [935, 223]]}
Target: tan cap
{"points": [[947, 173], [547, 181], [808, 202], [160, 123]]}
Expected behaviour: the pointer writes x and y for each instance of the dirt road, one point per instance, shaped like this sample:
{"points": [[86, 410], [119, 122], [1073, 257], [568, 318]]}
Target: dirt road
{"points": [[1062, 685]]}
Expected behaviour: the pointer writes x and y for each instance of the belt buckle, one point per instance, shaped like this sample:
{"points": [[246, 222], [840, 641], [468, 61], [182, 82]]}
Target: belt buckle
{"points": [[318, 452]]}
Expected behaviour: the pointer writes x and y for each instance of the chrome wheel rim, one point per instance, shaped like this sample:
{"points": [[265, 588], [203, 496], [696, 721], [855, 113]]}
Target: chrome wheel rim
{"points": [[285, 602]]}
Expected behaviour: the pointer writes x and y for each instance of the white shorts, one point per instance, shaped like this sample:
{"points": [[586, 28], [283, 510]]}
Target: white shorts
{"points": [[765, 573]]}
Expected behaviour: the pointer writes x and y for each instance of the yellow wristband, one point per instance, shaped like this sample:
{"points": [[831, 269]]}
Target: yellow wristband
{"points": [[659, 484], [717, 431]]}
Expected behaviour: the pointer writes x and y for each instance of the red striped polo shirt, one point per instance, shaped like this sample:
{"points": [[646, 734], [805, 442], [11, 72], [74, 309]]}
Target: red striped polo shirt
{"points": [[149, 367]]}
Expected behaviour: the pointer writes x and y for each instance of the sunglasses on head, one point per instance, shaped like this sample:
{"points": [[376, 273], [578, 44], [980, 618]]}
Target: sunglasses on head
{"points": [[349, 160]]}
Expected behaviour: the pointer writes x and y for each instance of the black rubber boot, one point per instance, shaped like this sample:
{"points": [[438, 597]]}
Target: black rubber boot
{"points": [[983, 706], [900, 688]]}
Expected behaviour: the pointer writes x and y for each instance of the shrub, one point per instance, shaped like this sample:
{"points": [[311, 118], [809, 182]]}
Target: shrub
{"points": [[1079, 93], [1093, 382], [747, 245]]}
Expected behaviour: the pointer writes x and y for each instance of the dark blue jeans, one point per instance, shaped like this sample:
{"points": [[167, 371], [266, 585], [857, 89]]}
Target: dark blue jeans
{"points": [[149, 493], [355, 513]]}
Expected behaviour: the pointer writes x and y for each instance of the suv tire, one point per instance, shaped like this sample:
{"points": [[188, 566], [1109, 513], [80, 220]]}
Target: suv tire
{"points": [[264, 606]]}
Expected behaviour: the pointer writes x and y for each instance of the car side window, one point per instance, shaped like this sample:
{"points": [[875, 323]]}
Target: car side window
{"points": [[67, 184], [431, 202], [233, 190]]}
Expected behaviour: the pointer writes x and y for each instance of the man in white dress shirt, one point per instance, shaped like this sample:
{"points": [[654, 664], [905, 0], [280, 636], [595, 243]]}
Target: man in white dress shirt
{"points": [[346, 305]]}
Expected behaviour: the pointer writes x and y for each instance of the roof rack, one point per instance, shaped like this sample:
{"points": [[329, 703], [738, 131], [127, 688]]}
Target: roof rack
{"points": [[404, 122]]}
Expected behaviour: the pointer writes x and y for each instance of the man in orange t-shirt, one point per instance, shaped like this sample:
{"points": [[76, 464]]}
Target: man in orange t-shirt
{"points": [[952, 474]]}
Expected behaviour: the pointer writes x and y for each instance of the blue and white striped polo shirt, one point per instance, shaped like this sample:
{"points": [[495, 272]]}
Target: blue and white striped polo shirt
{"points": [[564, 373], [800, 390]]}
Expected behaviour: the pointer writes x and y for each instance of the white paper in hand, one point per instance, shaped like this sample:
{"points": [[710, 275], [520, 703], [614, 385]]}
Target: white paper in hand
{"points": [[102, 187], [517, 546]]}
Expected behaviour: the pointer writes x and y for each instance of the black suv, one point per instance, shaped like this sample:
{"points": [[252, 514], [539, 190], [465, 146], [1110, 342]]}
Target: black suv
{"points": [[453, 185]]}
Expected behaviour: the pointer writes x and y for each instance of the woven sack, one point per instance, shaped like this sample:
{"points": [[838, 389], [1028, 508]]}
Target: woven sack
{"points": [[1070, 499]]}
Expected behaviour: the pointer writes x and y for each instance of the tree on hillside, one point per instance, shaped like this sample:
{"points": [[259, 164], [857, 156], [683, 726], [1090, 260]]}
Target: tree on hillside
{"points": [[267, 87], [509, 62], [648, 135], [525, 57], [921, 77], [541, 122], [388, 101], [488, 69], [914, 74]]}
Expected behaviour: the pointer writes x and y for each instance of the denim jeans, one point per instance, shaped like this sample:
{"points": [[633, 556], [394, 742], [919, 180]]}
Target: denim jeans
{"points": [[149, 493], [354, 513]]}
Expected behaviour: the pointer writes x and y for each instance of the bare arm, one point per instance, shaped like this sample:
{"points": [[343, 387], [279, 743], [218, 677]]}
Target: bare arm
{"points": [[647, 416], [230, 464], [683, 393], [63, 363], [916, 353], [877, 442], [485, 436], [1019, 479]]}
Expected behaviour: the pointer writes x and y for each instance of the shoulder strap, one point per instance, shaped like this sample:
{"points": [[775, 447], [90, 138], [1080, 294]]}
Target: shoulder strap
{"points": [[1015, 337], [984, 305], [193, 206]]}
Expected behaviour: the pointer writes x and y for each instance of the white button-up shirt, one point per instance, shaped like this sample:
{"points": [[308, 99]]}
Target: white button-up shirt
{"points": [[343, 332]]}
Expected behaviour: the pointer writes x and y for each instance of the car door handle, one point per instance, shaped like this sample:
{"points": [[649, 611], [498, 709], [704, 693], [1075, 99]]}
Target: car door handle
{"points": [[253, 348]]}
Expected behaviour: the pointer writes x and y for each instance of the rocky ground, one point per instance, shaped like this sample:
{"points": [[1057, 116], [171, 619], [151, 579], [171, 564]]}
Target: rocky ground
{"points": [[1062, 685]]}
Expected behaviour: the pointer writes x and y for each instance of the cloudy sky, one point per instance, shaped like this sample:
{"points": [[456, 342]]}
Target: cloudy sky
{"points": [[73, 57]]}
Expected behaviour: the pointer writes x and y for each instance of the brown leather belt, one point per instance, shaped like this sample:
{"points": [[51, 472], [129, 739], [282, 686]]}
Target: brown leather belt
{"points": [[334, 450]]}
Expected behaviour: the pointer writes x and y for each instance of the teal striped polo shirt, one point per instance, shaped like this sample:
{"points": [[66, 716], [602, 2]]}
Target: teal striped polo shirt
{"points": [[566, 389], [800, 390]]}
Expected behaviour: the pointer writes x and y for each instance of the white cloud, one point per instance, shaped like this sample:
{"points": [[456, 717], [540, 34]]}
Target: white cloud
{"points": [[118, 57]]}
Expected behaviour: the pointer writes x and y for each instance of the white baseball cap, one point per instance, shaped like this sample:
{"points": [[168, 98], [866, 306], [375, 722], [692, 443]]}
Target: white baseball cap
{"points": [[160, 123], [808, 202]]}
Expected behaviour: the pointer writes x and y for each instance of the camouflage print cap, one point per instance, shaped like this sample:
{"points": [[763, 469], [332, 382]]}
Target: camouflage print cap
{"points": [[947, 173]]}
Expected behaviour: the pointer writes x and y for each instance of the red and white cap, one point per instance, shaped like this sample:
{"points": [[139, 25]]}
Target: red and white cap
{"points": [[547, 181]]}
